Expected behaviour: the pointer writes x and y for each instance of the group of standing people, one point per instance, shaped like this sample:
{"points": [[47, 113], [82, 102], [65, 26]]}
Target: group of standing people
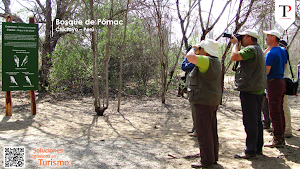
{"points": [[256, 71]]}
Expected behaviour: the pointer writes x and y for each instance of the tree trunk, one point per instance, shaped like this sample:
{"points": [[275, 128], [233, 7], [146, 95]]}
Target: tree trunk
{"points": [[121, 58], [46, 51], [237, 28], [107, 56], [95, 66], [163, 61]]}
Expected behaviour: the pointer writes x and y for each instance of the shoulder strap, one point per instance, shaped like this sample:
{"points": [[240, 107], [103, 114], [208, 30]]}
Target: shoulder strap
{"points": [[288, 57]]}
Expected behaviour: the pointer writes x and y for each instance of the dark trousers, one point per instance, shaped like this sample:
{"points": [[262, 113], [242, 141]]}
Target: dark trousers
{"points": [[251, 108], [276, 90], [265, 110], [206, 127]]}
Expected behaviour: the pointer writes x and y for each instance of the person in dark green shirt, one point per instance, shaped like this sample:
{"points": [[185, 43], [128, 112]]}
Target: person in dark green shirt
{"points": [[251, 81]]}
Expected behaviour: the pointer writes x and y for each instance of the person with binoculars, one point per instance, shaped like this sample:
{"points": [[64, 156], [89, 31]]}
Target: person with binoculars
{"points": [[204, 92], [251, 81]]}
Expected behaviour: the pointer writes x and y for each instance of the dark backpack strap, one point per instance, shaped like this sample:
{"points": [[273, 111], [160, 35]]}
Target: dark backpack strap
{"points": [[288, 57]]}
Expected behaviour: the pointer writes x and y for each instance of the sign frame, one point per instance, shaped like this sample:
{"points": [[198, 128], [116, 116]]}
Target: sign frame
{"points": [[19, 56]]}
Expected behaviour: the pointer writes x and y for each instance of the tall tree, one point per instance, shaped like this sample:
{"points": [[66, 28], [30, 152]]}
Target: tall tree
{"points": [[186, 18], [97, 104], [107, 55], [7, 11], [46, 50], [208, 27], [240, 19], [121, 57], [163, 56]]}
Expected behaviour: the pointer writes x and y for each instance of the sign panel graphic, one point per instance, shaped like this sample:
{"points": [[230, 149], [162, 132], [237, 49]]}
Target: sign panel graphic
{"points": [[19, 56]]}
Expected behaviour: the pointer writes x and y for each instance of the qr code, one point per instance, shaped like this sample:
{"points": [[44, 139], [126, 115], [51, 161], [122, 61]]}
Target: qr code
{"points": [[14, 157]]}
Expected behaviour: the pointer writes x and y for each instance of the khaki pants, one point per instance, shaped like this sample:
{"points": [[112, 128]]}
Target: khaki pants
{"points": [[287, 116]]}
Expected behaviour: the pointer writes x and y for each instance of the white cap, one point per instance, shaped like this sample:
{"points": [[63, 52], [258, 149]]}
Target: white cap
{"points": [[249, 32], [210, 46], [273, 32]]}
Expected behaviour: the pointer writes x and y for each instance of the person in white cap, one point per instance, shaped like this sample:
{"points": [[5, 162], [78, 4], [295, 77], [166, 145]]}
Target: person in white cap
{"points": [[276, 61], [205, 92], [251, 81], [286, 107]]}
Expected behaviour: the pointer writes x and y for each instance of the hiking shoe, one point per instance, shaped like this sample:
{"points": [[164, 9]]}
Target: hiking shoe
{"points": [[259, 153], [288, 135], [199, 165], [276, 143], [194, 134], [244, 155]]}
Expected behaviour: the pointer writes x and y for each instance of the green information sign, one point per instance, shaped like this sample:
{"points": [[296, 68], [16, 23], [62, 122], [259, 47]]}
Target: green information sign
{"points": [[19, 56]]}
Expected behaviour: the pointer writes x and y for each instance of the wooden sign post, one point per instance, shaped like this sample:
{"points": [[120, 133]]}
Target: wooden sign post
{"points": [[32, 93], [8, 105], [19, 60]]}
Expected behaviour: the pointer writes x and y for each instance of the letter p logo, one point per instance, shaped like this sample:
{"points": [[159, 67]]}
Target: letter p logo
{"points": [[285, 9], [285, 13]]}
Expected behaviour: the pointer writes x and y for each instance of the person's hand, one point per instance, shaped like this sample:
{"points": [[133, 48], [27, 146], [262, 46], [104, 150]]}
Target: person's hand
{"points": [[196, 47], [234, 40], [184, 54]]}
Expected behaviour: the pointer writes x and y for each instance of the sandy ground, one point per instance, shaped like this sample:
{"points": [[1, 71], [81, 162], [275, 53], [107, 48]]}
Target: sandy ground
{"points": [[141, 135]]}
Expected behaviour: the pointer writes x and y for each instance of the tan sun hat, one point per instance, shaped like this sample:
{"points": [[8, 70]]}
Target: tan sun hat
{"points": [[273, 32], [250, 32], [210, 46]]}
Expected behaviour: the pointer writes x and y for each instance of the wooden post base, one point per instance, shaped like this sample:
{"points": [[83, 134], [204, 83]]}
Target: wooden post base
{"points": [[8, 104], [32, 101]]}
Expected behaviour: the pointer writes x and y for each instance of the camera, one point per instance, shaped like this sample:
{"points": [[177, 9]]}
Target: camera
{"points": [[238, 36], [189, 48]]}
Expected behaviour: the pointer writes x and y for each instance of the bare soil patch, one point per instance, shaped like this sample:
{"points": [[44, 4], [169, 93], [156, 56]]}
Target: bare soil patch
{"points": [[142, 135]]}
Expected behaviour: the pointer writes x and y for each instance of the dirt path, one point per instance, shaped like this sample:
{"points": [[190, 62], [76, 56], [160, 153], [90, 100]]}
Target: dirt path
{"points": [[140, 136]]}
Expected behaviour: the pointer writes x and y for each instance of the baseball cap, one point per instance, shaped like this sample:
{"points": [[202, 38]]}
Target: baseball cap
{"points": [[249, 32], [273, 32]]}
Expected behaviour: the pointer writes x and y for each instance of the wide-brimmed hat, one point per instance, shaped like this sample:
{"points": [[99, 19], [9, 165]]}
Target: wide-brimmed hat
{"points": [[273, 32], [210, 46], [250, 32]]}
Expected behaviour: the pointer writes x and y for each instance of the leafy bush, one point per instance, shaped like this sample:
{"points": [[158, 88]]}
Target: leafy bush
{"points": [[72, 66]]}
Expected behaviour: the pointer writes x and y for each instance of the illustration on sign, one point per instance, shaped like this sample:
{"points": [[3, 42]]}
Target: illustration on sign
{"points": [[28, 80], [19, 56], [13, 80]]}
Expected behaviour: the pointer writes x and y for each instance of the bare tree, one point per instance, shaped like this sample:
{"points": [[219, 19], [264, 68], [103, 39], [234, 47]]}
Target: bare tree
{"points": [[240, 19], [107, 55], [186, 19], [97, 104], [121, 57], [46, 50], [7, 11], [163, 57], [185, 38], [206, 29]]}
